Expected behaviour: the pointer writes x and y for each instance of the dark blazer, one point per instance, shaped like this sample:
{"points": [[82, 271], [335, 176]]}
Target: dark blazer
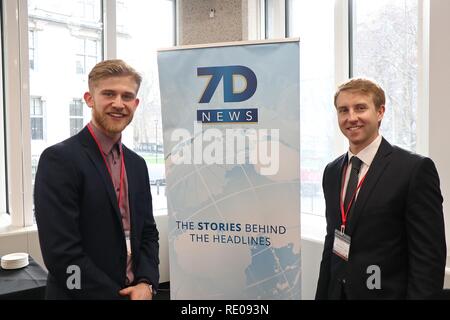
{"points": [[397, 224], [79, 221]]}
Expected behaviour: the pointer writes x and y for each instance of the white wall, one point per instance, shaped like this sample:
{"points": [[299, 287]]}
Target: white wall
{"points": [[24, 241], [27, 240], [311, 257]]}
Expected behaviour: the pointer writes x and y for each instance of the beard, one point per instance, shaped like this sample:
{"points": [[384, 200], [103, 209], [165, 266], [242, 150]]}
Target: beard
{"points": [[109, 125]]}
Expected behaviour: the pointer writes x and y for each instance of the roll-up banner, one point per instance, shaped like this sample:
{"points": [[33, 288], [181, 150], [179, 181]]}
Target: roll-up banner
{"points": [[231, 126]]}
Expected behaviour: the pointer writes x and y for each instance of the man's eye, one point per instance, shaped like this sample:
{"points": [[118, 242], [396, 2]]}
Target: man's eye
{"points": [[128, 97]]}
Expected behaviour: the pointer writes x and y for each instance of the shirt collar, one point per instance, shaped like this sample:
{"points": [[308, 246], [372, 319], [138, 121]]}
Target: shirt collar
{"points": [[367, 154], [106, 142]]}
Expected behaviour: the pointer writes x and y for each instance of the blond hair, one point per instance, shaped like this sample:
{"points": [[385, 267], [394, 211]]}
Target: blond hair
{"points": [[113, 68], [364, 86]]}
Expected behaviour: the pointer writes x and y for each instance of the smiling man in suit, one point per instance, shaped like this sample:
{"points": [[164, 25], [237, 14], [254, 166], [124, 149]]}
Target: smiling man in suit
{"points": [[385, 229], [93, 204]]}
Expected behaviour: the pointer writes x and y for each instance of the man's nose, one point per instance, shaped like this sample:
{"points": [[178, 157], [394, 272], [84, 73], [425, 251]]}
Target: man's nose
{"points": [[352, 116], [118, 101]]}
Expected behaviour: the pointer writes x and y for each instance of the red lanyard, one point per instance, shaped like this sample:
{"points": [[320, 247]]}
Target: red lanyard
{"points": [[122, 163], [344, 212]]}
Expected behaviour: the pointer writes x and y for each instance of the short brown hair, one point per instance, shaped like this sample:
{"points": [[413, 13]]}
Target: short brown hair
{"points": [[113, 68], [364, 86]]}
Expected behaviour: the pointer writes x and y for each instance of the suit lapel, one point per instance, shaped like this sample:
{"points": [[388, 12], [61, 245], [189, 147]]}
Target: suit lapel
{"points": [[381, 160], [93, 152]]}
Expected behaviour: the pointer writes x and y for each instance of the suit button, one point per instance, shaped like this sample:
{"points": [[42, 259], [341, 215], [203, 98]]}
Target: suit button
{"points": [[343, 281]]}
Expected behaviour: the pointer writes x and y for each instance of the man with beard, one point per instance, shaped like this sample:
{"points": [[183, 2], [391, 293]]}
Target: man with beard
{"points": [[93, 204]]}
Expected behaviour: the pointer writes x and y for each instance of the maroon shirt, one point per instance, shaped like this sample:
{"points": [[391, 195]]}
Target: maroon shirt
{"points": [[111, 151]]}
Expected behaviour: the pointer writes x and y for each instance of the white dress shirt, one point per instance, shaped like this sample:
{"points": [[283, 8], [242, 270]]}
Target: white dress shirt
{"points": [[366, 155]]}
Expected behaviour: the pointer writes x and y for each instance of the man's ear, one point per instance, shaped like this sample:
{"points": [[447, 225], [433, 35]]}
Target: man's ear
{"points": [[381, 112], [136, 101], [88, 99]]}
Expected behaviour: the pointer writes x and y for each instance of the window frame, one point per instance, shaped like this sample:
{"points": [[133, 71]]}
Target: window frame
{"points": [[3, 167], [17, 109]]}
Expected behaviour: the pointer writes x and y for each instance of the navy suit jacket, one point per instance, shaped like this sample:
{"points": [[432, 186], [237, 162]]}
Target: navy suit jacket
{"points": [[397, 225], [79, 221]]}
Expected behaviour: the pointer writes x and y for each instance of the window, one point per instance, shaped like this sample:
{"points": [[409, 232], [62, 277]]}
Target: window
{"points": [[120, 24], [313, 22], [274, 12], [87, 9], [79, 42], [53, 111], [87, 55], [37, 118], [385, 48], [78, 26], [76, 116], [31, 46], [60, 22], [147, 25], [270, 17]]}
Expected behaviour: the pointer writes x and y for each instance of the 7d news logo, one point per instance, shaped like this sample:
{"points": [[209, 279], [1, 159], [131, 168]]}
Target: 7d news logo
{"points": [[229, 75], [232, 146]]}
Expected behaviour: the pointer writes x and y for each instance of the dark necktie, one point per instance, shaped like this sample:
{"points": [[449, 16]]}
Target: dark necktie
{"points": [[352, 182]]}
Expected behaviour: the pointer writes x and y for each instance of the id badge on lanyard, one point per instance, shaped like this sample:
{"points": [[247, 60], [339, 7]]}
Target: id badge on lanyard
{"points": [[341, 245], [342, 241], [128, 242]]}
